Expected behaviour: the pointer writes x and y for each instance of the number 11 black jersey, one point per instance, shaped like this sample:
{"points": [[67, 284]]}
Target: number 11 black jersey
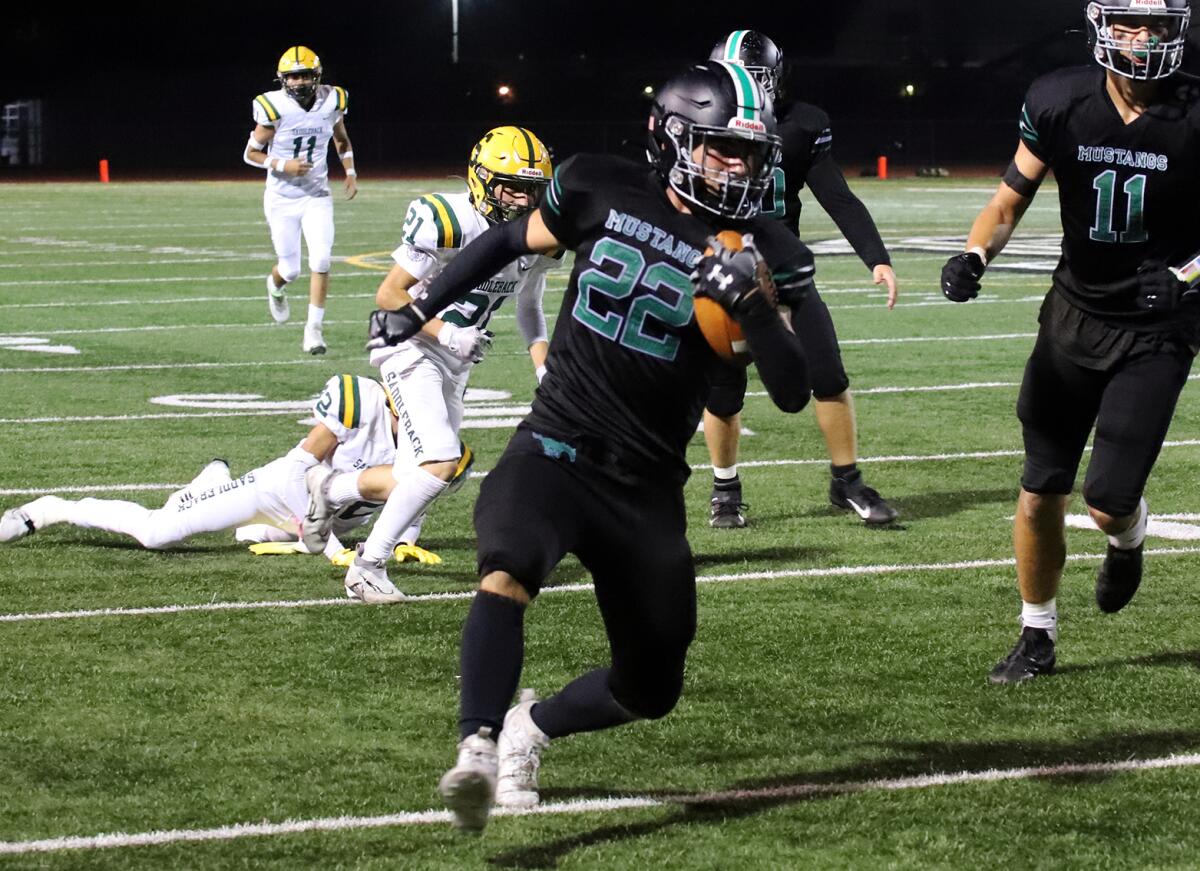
{"points": [[1127, 192]]}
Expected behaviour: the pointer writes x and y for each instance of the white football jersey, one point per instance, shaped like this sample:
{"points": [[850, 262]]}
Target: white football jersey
{"points": [[436, 228], [302, 134], [358, 412]]}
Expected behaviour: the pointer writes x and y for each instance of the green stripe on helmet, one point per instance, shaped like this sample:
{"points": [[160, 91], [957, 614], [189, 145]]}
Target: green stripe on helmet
{"points": [[747, 93], [733, 45], [529, 145]]}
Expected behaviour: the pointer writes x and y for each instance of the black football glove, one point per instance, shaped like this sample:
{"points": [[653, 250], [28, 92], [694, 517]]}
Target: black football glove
{"points": [[393, 327], [960, 277], [1160, 290], [739, 281]]}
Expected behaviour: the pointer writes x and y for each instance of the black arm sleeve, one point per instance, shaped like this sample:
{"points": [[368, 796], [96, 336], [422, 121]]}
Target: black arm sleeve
{"points": [[829, 186], [475, 264], [779, 358]]}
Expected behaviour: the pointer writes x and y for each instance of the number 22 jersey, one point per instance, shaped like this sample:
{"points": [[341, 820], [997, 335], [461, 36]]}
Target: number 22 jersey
{"points": [[629, 370]]}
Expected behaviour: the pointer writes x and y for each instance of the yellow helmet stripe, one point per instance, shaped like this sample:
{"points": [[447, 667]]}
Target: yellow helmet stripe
{"points": [[272, 112], [350, 403], [341, 98]]}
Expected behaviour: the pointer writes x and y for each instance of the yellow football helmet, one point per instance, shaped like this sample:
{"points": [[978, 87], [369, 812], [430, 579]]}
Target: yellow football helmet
{"points": [[299, 59], [512, 158]]}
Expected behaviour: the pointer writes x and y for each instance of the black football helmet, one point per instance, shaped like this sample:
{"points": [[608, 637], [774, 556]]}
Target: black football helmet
{"points": [[1156, 58], [757, 53], [714, 107]]}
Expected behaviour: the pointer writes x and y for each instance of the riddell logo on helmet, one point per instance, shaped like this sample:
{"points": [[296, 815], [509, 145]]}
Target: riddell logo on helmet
{"points": [[747, 124], [1157, 5], [531, 172]]}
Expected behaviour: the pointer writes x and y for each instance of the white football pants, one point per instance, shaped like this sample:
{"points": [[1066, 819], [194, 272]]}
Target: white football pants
{"points": [[291, 217], [260, 496]]}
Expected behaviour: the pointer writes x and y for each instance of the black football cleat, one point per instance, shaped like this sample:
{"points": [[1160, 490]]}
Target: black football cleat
{"points": [[1118, 579], [854, 495], [1033, 655], [727, 510]]}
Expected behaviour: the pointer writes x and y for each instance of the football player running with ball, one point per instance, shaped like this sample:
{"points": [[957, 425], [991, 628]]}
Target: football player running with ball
{"points": [[807, 140], [597, 468], [1119, 329], [426, 376], [290, 141]]}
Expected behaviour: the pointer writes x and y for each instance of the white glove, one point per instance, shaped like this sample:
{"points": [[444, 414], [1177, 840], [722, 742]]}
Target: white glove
{"points": [[468, 344]]}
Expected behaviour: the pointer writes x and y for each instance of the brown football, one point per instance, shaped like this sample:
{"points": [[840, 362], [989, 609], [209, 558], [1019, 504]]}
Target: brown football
{"points": [[720, 330]]}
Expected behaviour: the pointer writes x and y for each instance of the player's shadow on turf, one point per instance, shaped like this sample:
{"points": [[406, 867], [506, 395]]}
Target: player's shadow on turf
{"points": [[1170, 659], [908, 760]]}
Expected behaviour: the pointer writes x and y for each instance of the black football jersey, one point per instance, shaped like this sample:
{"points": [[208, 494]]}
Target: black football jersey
{"points": [[629, 369], [807, 138], [807, 160], [1127, 192]]}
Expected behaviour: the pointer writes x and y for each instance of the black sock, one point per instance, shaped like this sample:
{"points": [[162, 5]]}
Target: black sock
{"points": [[727, 484], [584, 705], [846, 473], [493, 649]]}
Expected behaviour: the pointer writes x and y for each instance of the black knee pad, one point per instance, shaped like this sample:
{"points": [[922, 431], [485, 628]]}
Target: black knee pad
{"points": [[829, 378], [728, 392], [649, 695], [1109, 497]]}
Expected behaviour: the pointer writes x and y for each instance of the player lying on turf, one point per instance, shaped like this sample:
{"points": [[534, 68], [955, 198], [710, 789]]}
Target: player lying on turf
{"points": [[356, 429]]}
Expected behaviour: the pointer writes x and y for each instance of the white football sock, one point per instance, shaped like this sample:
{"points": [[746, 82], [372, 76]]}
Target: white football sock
{"points": [[1136, 533], [725, 473], [316, 315], [343, 489], [414, 491], [1043, 616]]}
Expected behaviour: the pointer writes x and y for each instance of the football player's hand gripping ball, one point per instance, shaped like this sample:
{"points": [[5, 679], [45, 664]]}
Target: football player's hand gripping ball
{"points": [[737, 280], [960, 277]]}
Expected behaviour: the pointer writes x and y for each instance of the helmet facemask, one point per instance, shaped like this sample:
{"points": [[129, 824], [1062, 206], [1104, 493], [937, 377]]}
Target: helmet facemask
{"points": [[1155, 57], [702, 182], [768, 77], [494, 207], [302, 92]]}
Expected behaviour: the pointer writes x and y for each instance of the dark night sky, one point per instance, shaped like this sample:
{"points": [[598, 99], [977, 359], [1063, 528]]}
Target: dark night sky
{"points": [[122, 72]]}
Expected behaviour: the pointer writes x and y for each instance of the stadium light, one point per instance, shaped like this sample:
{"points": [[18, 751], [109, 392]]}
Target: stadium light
{"points": [[909, 91], [504, 91], [648, 90]]}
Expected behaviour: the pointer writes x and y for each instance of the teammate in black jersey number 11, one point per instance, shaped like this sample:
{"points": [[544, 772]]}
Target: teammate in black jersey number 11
{"points": [[1119, 327], [597, 468]]}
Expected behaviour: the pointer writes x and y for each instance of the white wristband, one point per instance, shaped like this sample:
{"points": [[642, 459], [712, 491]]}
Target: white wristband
{"points": [[540, 371], [351, 172], [346, 154], [981, 252]]}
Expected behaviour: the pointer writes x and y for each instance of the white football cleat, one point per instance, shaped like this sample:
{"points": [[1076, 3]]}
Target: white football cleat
{"points": [[314, 342], [25, 519], [367, 580], [277, 301], [468, 787], [520, 749]]}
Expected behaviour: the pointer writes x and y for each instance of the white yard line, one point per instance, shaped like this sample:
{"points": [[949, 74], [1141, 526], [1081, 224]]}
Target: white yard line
{"points": [[143, 367], [604, 805], [742, 577], [187, 300]]}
